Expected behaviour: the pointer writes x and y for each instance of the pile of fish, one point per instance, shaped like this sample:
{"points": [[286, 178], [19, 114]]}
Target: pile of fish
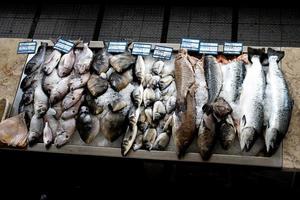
{"points": [[148, 101]]}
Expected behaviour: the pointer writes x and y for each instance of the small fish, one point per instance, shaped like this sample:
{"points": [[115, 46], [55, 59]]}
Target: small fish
{"points": [[79, 80], [101, 61], [148, 97], [134, 115], [120, 81], [28, 96], [72, 98], [170, 104], [60, 90], [36, 129], [51, 62], [140, 69], [50, 82], [97, 85], [122, 62], [159, 110], [161, 141], [227, 132], [83, 60], [137, 95], [128, 139], [165, 82], [36, 61], [29, 80], [117, 105], [66, 64], [138, 143], [65, 132], [72, 112], [158, 67], [47, 135], [149, 138], [40, 101]]}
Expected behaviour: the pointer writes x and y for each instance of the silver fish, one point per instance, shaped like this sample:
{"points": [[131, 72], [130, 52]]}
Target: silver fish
{"points": [[142, 121], [159, 110], [278, 103], [72, 98], [65, 132], [36, 61], [149, 115], [149, 138], [169, 91], [165, 82], [101, 61], [79, 80], [51, 62], [47, 135], [140, 69], [157, 94], [66, 64], [137, 95], [158, 67], [148, 97], [29, 112], [153, 81], [122, 62], [128, 139], [36, 129], [83, 60]]}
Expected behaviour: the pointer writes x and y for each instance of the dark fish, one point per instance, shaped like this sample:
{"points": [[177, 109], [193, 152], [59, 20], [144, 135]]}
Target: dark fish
{"points": [[117, 105], [91, 103], [36, 129], [29, 80], [227, 132], [101, 61], [120, 81], [79, 80], [36, 61], [28, 96], [97, 85], [122, 62]]}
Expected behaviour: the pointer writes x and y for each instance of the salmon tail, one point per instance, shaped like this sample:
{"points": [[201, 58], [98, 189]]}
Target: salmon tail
{"points": [[222, 59], [256, 52], [273, 52]]}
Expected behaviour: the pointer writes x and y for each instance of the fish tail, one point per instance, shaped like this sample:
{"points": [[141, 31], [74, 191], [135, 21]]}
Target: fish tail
{"points": [[256, 52], [273, 52]]}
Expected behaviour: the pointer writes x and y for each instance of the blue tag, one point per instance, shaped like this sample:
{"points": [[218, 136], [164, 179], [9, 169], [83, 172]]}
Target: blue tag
{"points": [[117, 47], [141, 49], [162, 52], [209, 48], [233, 48], [26, 47], [190, 44], [64, 46]]}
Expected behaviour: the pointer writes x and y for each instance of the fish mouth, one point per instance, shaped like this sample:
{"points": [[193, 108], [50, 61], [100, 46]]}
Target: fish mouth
{"points": [[247, 138], [272, 140], [32, 140]]}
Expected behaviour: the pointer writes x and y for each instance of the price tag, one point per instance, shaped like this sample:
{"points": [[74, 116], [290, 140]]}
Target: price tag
{"points": [[26, 47], [141, 49], [162, 52], [117, 47], [190, 44], [233, 48], [208, 48], [63, 45]]}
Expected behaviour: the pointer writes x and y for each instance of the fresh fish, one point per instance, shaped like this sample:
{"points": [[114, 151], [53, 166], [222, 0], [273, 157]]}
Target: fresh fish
{"points": [[161, 141], [65, 131], [72, 98], [28, 96], [79, 80], [47, 135], [120, 81], [157, 94], [91, 103], [122, 62], [153, 81], [134, 115], [40, 101], [148, 97], [101, 61], [58, 108], [159, 110], [251, 101], [128, 139], [149, 115], [66, 64], [279, 103], [53, 123], [87, 125], [137, 95], [138, 143], [117, 105], [51, 62], [184, 76], [171, 103], [60, 90], [169, 91], [72, 112], [13, 131], [29, 112], [227, 131], [140, 69], [214, 77], [83, 60], [142, 121], [220, 108], [97, 85], [35, 62], [206, 136], [49, 82], [158, 67], [165, 82], [149, 138], [29, 80], [36, 129]]}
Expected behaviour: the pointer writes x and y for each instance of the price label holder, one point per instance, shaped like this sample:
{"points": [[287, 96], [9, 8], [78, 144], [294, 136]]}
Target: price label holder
{"points": [[26, 47], [141, 49], [190, 44], [63, 45], [162, 52], [117, 47], [233, 48], [209, 48]]}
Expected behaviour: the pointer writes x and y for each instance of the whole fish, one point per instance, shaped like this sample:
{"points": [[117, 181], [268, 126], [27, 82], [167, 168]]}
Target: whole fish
{"points": [[47, 135], [36, 129], [83, 60], [161, 141], [159, 110], [148, 97], [101, 61], [65, 132], [51, 62], [60, 90], [72, 98], [128, 139], [97, 85], [49, 82], [79, 80], [140, 69], [120, 81], [278, 103], [251, 101], [149, 138], [137, 95], [158, 67], [36, 61], [40, 101], [122, 62], [214, 77], [66, 64]]}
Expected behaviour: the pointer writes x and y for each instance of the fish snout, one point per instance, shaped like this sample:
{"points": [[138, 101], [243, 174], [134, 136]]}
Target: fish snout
{"points": [[272, 140], [247, 138]]}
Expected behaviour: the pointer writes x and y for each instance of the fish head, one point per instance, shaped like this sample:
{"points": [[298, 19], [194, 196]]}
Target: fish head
{"points": [[227, 134], [33, 138], [221, 108], [247, 138], [272, 139], [61, 139]]}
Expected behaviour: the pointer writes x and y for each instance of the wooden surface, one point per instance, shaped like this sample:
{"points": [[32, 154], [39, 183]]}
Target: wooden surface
{"points": [[291, 144]]}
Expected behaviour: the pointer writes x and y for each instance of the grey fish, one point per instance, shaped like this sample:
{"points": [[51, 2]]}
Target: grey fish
{"points": [[97, 85], [133, 116], [161, 141], [122, 62], [149, 115], [153, 81], [169, 91], [117, 105], [137, 95], [83, 60], [101, 61], [159, 110], [53, 123], [140, 69], [40, 101], [29, 112], [49, 82], [28, 96], [66, 64], [165, 82], [60, 90], [120, 81], [227, 132], [158, 67], [65, 132], [278, 103], [58, 108], [72, 112], [149, 138], [142, 121], [138, 143], [91, 103], [170, 104], [214, 77], [36, 61], [148, 97], [29, 80], [36, 129], [51, 62], [128, 139], [79, 80], [72, 98], [47, 135], [157, 94]]}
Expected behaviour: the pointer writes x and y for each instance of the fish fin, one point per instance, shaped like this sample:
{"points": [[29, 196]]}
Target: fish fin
{"points": [[244, 121], [273, 52], [207, 108], [258, 52]]}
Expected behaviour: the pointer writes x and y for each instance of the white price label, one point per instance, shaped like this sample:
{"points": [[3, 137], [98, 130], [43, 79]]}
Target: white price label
{"points": [[26, 47], [209, 48], [63, 45], [162, 52], [190, 44], [233, 48], [141, 49], [117, 47]]}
